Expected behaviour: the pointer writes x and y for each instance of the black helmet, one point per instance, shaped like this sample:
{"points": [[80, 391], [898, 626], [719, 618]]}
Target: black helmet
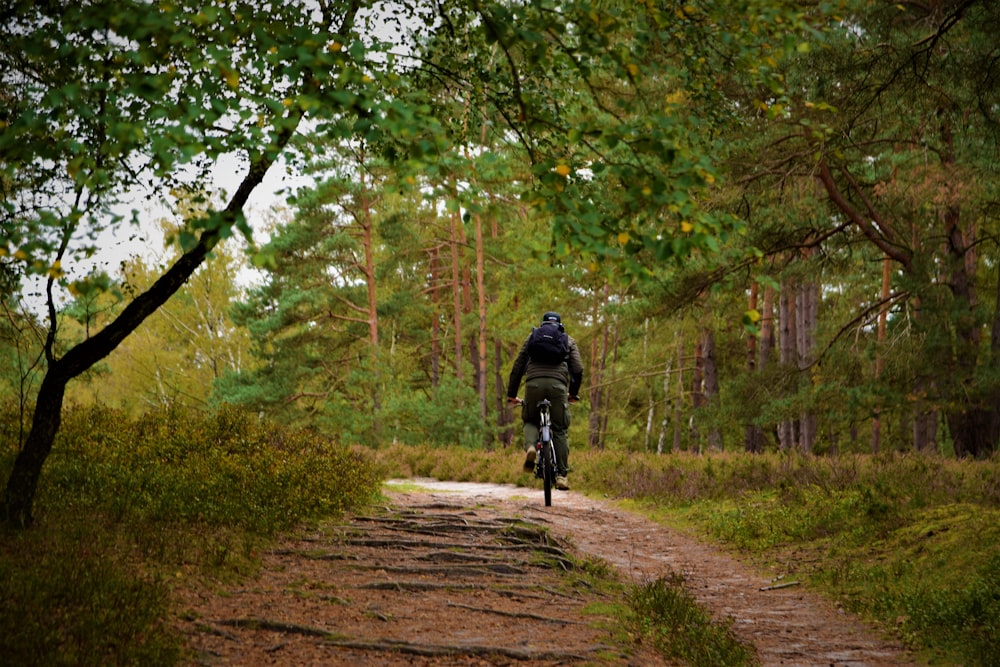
{"points": [[551, 317]]}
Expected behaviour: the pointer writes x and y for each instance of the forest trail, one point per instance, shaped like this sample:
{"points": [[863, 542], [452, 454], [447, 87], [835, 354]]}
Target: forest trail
{"points": [[443, 577]]}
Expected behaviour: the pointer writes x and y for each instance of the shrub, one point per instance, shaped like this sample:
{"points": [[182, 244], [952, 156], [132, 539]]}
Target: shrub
{"points": [[69, 598], [224, 469], [669, 617], [124, 504]]}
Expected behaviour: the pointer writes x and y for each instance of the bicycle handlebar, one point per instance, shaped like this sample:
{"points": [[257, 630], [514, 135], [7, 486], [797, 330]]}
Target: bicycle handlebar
{"points": [[517, 400]]}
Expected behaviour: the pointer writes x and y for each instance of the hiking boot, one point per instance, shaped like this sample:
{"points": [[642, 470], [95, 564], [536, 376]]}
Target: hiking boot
{"points": [[562, 483], [529, 460]]}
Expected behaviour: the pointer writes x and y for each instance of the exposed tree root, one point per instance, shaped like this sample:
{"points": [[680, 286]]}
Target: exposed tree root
{"points": [[511, 614], [417, 586], [409, 648], [277, 626], [453, 570], [438, 650], [396, 570]]}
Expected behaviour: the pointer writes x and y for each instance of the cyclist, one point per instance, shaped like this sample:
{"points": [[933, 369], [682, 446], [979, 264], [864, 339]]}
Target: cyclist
{"points": [[554, 378]]}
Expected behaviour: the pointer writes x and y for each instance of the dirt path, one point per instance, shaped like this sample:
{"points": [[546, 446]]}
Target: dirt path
{"points": [[442, 579]]}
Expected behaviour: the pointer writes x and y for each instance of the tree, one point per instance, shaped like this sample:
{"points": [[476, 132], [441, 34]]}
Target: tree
{"points": [[890, 113], [20, 346], [911, 187], [317, 319], [179, 352], [104, 99]]}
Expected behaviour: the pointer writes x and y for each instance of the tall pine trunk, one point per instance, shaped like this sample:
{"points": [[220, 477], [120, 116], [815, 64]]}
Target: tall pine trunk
{"points": [[482, 333], [367, 243], [711, 385], [787, 355], [806, 312], [883, 316], [454, 244], [753, 434], [599, 357]]}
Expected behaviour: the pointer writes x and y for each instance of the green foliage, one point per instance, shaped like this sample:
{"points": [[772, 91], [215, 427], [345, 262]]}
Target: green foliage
{"points": [[666, 615], [972, 608], [225, 469], [450, 417], [173, 358], [124, 93], [125, 505], [71, 597]]}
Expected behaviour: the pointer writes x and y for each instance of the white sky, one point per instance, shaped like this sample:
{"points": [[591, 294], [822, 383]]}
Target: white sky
{"points": [[125, 242]]}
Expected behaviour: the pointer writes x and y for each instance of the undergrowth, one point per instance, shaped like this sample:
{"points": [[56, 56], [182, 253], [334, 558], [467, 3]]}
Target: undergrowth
{"points": [[126, 507], [669, 618]]}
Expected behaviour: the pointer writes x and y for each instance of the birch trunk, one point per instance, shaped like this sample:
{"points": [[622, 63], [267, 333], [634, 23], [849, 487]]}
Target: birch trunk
{"points": [[666, 408]]}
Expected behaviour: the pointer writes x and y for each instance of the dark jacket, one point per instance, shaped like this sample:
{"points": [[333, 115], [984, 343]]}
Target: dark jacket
{"points": [[569, 371]]}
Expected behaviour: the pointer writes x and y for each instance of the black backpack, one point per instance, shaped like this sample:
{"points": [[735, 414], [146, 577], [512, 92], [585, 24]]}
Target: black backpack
{"points": [[548, 344]]}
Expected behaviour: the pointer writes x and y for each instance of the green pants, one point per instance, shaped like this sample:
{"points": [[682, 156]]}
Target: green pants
{"points": [[558, 394]]}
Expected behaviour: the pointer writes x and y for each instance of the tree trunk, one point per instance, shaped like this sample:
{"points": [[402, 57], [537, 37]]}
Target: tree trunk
{"points": [[481, 291], [505, 417], [598, 356], [456, 291], [666, 407], [678, 403], [19, 496], [650, 398], [697, 396], [807, 296], [786, 349], [994, 360], [766, 328], [611, 331], [972, 426], [23, 480], [883, 315], [711, 385], [367, 242], [753, 434], [436, 308], [596, 392]]}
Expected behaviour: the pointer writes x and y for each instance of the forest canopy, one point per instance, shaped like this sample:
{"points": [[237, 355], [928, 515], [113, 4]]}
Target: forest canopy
{"points": [[768, 224]]}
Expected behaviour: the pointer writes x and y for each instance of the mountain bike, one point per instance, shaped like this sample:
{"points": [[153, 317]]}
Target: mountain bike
{"points": [[545, 451]]}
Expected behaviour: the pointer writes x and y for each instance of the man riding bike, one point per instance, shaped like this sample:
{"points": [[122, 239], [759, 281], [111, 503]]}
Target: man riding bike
{"points": [[555, 373]]}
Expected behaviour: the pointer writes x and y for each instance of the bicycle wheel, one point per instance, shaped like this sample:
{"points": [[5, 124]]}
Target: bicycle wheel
{"points": [[548, 471]]}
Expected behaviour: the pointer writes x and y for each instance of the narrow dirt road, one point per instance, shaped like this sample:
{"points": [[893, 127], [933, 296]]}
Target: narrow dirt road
{"points": [[471, 574]]}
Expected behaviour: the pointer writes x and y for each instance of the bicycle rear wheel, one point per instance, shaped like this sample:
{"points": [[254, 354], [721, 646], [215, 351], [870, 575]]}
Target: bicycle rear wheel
{"points": [[548, 471]]}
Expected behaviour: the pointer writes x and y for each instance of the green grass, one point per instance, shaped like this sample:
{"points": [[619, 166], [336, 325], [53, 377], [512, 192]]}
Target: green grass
{"points": [[668, 617], [126, 508]]}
